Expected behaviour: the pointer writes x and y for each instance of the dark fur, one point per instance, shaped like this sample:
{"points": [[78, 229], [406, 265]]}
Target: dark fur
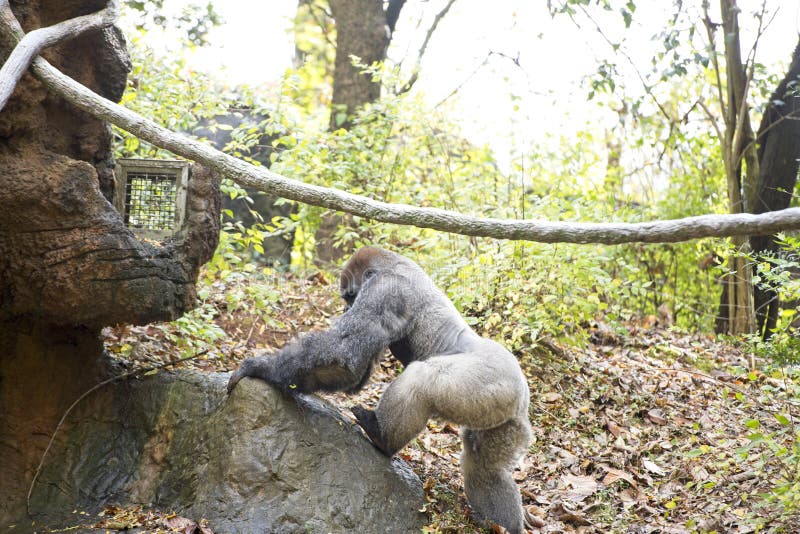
{"points": [[450, 373]]}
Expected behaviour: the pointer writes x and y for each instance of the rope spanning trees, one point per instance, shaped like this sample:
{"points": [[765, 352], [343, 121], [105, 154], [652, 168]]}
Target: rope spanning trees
{"points": [[243, 173]]}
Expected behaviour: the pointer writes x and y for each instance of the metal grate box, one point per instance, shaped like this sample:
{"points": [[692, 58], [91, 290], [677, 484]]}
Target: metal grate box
{"points": [[151, 195]]}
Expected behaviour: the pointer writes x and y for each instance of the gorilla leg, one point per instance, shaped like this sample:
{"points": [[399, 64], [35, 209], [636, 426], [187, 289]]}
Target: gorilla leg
{"points": [[452, 387], [486, 462], [402, 411]]}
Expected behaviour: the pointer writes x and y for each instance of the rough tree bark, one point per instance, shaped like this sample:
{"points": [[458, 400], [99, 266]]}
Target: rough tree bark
{"points": [[363, 31], [778, 155], [68, 266]]}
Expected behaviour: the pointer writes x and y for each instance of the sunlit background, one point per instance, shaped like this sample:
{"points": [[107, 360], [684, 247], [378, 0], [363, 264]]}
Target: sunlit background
{"points": [[519, 75]]}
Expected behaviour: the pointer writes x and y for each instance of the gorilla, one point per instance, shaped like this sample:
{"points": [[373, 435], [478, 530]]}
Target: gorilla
{"points": [[450, 372]]}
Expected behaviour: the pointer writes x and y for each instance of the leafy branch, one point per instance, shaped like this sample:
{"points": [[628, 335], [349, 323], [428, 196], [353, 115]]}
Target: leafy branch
{"points": [[262, 179]]}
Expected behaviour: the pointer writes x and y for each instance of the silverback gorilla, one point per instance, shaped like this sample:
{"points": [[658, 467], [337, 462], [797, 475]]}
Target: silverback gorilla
{"points": [[450, 373]]}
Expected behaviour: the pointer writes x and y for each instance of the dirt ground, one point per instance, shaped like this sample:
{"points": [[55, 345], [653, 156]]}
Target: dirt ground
{"points": [[637, 429]]}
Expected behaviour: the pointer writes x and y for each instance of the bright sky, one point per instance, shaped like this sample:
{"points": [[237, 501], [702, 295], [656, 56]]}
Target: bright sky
{"points": [[254, 46]]}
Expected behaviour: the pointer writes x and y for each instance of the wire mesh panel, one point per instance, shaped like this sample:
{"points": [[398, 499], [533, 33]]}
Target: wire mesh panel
{"points": [[150, 201], [151, 195]]}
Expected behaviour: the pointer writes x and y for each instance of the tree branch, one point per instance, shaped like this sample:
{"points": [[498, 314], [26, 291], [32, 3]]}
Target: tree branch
{"points": [[37, 40], [618, 49], [418, 64], [437, 219]]}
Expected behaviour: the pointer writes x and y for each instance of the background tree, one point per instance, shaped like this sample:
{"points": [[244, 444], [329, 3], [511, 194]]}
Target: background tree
{"points": [[736, 83], [363, 32], [737, 314], [778, 142]]}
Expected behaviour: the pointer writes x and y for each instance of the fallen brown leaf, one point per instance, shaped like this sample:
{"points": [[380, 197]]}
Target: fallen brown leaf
{"points": [[653, 467], [184, 524], [629, 497], [612, 475], [551, 396], [532, 518], [656, 415], [563, 512], [582, 486], [614, 428]]}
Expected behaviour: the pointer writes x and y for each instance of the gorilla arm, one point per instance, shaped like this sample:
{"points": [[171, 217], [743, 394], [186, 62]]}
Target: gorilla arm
{"points": [[339, 359]]}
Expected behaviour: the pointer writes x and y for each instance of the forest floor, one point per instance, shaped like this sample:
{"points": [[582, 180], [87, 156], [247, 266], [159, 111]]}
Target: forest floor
{"points": [[637, 429]]}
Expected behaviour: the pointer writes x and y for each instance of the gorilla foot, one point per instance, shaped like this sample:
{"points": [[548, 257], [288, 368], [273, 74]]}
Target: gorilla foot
{"points": [[369, 422]]}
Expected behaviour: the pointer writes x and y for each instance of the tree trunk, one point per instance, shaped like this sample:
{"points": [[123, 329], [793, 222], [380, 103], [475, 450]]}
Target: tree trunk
{"points": [[736, 314], [68, 265], [362, 32], [778, 155]]}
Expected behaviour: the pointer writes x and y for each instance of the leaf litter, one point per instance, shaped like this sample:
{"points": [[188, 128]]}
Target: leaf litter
{"points": [[639, 432]]}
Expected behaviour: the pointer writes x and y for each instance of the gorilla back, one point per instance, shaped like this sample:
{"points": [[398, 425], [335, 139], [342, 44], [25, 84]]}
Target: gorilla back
{"points": [[450, 373]]}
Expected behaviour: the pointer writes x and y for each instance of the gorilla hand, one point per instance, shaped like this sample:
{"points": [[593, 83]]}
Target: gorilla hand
{"points": [[257, 367]]}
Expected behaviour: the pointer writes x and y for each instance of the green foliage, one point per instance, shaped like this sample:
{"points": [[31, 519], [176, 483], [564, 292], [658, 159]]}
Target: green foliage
{"points": [[166, 91], [773, 445], [196, 330], [660, 161], [397, 150], [778, 273], [195, 19], [774, 441]]}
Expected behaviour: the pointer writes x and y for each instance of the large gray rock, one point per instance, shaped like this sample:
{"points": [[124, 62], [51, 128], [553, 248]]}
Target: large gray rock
{"points": [[255, 462]]}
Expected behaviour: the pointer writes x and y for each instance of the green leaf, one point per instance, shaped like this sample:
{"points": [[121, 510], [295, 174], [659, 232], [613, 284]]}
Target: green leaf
{"points": [[752, 423], [782, 419], [627, 16]]}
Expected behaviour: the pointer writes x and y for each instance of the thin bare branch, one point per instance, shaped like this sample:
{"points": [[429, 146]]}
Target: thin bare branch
{"points": [[712, 119], [418, 65], [648, 89], [463, 82], [37, 40], [88, 392], [710, 30]]}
